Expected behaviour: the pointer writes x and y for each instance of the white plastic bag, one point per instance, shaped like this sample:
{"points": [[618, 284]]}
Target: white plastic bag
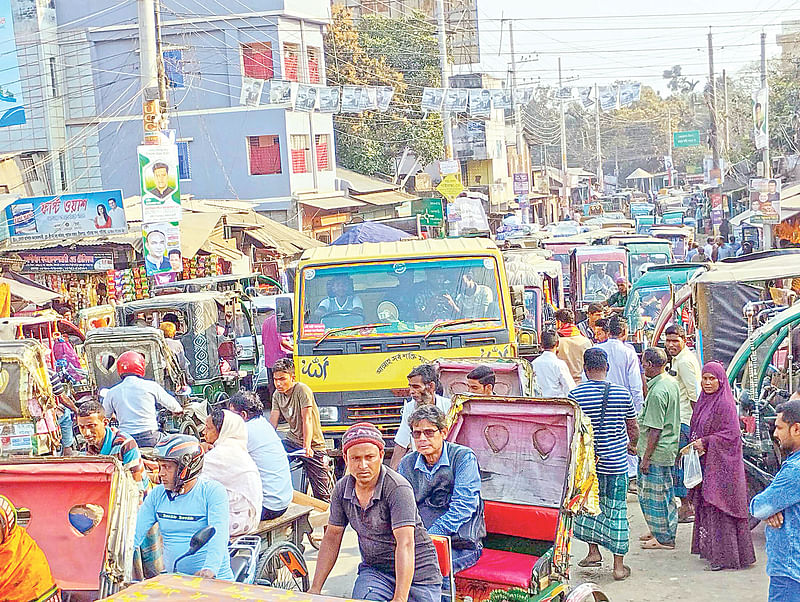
{"points": [[692, 473]]}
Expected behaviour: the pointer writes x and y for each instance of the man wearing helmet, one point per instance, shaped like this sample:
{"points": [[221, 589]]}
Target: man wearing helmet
{"points": [[134, 400], [183, 504]]}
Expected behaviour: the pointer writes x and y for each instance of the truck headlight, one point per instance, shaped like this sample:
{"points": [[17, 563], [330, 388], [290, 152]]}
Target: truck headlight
{"points": [[328, 414]]}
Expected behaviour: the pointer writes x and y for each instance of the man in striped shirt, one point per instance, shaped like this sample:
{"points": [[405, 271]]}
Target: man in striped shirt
{"points": [[104, 440], [610, 409]]}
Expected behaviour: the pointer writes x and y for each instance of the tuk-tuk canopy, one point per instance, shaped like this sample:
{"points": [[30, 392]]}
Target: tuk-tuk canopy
{"points": [[763, 266], [528, 271], [24, 379], [200, 310]]}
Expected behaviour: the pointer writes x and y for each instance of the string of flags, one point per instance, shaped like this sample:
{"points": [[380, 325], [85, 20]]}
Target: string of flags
{"points": [[476, 102]]}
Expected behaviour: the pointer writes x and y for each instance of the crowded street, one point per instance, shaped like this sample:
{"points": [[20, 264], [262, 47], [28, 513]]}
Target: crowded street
{"points": [[399, 301]]}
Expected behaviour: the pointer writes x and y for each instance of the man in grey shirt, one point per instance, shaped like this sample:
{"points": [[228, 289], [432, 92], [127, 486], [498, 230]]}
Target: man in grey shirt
{"points": [[398, 560]]}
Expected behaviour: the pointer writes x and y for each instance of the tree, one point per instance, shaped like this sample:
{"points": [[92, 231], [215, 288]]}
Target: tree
{"points": [[380, 51]]}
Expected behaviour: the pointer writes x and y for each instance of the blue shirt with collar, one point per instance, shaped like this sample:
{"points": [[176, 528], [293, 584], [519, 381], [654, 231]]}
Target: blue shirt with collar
{"points": [[782, 495]]}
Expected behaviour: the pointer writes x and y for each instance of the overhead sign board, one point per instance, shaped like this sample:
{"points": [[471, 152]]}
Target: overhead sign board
{"points": [[430, 211], [12, 111], [521, 183], [49, 262], [67, 216], [450, 186], [686, 139], [449, 166]]}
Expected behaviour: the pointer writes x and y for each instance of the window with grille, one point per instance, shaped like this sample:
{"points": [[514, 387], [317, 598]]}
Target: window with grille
{"points": [[291, 54], [265, 155], [322, 142], [313, 65], [184, 164], [257, 60], [300, 153]]}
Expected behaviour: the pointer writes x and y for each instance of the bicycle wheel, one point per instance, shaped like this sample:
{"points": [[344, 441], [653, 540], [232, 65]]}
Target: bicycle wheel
{"points": [[282, 565]]}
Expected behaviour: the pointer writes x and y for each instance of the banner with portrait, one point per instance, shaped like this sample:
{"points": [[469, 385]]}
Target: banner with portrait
{"points": [[329, 99], [765, 200], [162, 248], [384, 95], [432, 100], [251, 92], [306, 98], [160, 183], [501, 99], [761, 118], [280, 92], [480, 103], [455, 100]]}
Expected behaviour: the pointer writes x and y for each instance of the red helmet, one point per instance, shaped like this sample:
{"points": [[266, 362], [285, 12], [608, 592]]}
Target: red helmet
{"points": [[130, 362]]}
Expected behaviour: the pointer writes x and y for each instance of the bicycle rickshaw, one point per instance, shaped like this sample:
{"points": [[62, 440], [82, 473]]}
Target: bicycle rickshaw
{"points": [[104, 345], [82, 515], [207, 324], [28, 421], [536, 461]]}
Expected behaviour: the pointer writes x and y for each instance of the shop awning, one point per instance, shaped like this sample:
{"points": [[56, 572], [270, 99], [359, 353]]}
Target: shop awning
{"points": [[195, 230], [389, 197], [639, 174], [38, 295], [330, 203]]}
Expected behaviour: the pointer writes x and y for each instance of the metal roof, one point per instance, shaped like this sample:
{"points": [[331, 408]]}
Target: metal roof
{"points": [[768, 266], [407, 248]]}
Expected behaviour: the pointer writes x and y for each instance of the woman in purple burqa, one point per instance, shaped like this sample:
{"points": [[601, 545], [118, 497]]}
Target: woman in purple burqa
{"points": [[721, 533]]}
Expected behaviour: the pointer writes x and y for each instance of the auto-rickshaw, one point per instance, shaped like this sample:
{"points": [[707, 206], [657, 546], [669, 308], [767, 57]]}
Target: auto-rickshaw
{"points": [[560, 249], [537, 472], [83, 516], [514, 375], [99, 316], [651, 293], [248, 284], [208, 324], [594, 270], [28, 422], [678, 236], [43, 328]]}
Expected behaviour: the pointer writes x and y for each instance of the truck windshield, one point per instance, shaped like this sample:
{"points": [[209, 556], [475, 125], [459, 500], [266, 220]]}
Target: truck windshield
{"points": [[399, 297], [599, 279]]}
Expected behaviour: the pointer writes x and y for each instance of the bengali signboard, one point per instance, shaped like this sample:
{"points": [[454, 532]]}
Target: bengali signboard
{"points": [[430, 211], [12, 110], [521, 183], [37, 262], [160, 185], [686, 139], [67, 216]]}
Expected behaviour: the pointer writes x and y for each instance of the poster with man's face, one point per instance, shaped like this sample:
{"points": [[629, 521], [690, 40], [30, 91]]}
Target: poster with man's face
{"points": [[160, 183], [329, 99], [480, 103], [162, 248]]}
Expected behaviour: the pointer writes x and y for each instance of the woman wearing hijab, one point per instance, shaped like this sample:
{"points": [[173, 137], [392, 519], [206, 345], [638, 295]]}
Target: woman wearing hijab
{"points": [[228, 462], [721, 533]]}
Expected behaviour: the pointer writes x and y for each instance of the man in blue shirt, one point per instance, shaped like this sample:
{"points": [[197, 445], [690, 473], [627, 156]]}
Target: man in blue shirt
{"points": [[447, 486], [779, 506], [182, 505]]}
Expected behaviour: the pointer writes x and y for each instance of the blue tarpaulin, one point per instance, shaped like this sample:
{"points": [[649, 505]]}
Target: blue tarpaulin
{"points": [[370, 232]]}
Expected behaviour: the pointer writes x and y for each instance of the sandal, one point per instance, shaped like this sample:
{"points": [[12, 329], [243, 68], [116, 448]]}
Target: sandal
{"points": [[714, 568], [626, 572], [646, 537], [686, 519], [653, 544], [586, 563]]}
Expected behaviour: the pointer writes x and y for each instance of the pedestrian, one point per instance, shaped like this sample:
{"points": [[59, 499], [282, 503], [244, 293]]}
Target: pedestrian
{"points": [[686, 369], [779, 506], [624, 370], [708, 249], [692, 252], [700, 256], [571, 343], [593, 313], [610, 409], [659, 428], [552, 373], [725, 228], [601, 331], [398, 560], [721, 531]]}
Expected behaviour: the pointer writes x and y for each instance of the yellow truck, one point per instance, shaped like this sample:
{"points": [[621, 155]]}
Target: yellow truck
{"points": [[366, 314]]}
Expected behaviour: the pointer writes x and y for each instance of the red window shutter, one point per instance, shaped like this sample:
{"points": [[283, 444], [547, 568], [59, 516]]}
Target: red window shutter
{"points": [[291, 67], [313, 70], [299, 161], [257, 61], [265, 155], [322, 155]]}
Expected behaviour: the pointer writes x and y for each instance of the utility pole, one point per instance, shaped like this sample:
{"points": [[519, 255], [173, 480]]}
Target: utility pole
{"points": [[444, 67], [597, 139], [727, 119], [669, 144], [564, 184], [149, 69], [523, 163], [713, 103], [765, 157]]}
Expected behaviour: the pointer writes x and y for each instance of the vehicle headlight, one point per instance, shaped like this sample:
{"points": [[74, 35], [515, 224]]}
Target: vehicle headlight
{"points": [[328, 414]]}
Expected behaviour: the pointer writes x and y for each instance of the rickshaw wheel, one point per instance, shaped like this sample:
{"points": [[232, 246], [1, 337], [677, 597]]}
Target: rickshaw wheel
{"points": [[284, 567], [190, 428]]}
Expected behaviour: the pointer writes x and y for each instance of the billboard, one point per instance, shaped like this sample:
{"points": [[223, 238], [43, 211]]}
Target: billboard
{"points": [[765, 200], [162, 248], [160, 184], [67, 216], [51, 262], [12, 111]]}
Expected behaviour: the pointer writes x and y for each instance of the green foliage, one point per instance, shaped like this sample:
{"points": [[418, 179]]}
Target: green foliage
{"points": [[379, 51]]}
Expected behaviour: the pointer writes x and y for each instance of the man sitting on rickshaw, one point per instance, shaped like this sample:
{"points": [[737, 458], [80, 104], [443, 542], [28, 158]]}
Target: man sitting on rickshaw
{"points": [[481, 381], [447, 486], [134, 399], [398, 560], [104, 440], [183, 504], [24, 571]]}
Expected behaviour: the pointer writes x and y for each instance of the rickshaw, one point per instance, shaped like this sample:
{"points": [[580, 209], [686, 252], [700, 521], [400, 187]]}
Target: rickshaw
{"points": [[678, 236], [536, 461], [594, 270], [543, 285], [43, 328], [514, 376], [99, 316], [208, 324], [28, 422], [104, 345], [83, 516], [651, 293], [247, 284], [560, 248], [644, 253], [644, 223]]}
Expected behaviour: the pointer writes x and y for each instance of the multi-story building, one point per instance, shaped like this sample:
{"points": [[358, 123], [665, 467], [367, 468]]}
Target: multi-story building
{"points": [[79, 69]]}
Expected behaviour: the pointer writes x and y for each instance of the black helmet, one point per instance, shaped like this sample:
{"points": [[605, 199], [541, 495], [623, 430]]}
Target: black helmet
{"points": [[186, 452]]}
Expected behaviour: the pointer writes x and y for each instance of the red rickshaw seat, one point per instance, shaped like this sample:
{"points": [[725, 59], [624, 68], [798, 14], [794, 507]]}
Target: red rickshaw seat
{"points": [[442, 545], [509, 569], [532, 522]]}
